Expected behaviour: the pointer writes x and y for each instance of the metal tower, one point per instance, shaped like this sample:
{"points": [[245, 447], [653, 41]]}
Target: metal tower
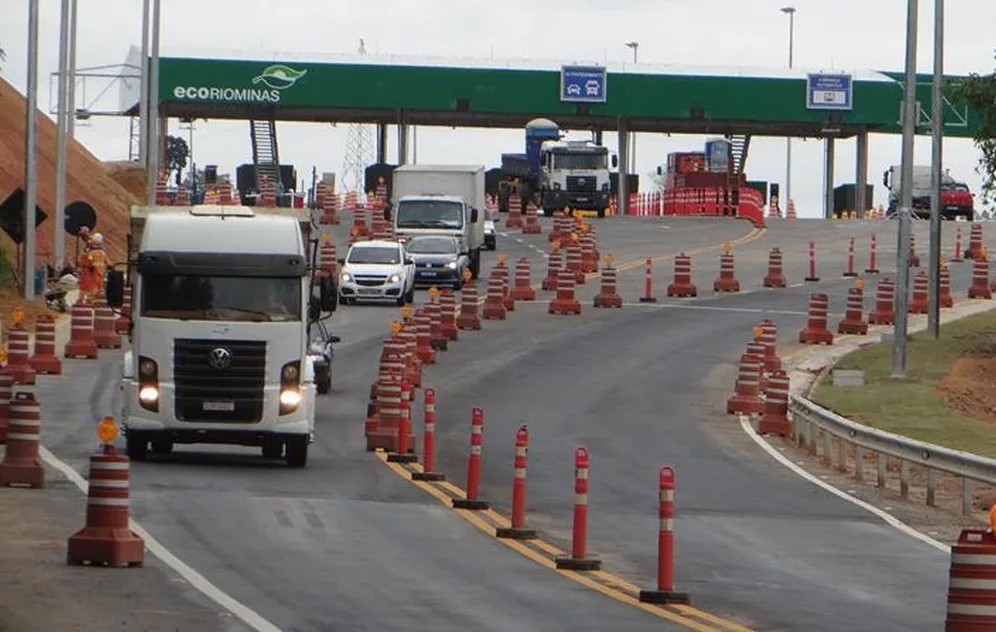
{"points": [[359, 151]]}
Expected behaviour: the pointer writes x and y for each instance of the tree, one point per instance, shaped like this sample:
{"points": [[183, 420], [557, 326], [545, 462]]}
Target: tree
{"points": [[177, 153], [979, 93]]}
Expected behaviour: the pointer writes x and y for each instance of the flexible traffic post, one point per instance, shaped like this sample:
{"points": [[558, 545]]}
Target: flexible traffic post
{"points": [[404, 453], [648, 284], [518, 530], [471, 501], [812, 278], [957, 258], [429, 472], [872, 247], [850, 259], [665, 593], [578, 560]]}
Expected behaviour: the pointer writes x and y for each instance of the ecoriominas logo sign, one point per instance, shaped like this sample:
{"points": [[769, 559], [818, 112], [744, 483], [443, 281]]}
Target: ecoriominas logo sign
{"points": [[264, 87]]}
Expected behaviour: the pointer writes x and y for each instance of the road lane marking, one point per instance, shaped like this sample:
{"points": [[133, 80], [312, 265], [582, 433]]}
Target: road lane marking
{"points": [[610, 585], [886, 517], [238, 609]]}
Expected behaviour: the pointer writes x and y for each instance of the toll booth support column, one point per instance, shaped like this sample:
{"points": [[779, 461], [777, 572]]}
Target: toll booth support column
{"points": [[381, 143], [623, 132], [598, 137], [861, 200], [828, 179], [402, 144]]}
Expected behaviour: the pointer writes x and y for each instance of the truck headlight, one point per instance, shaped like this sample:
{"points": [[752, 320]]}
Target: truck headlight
{"points": [[290, 387], [451, 265], [290, 399], [394, 278], [346, 277], [148, 384], [148, 395]]}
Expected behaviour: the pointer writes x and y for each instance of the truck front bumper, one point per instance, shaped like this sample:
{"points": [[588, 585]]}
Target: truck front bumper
{"points": [[137, 421], [558, 199]]}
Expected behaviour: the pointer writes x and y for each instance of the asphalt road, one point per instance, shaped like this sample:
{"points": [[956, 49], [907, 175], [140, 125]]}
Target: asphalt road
{"points": [[347, 545]]}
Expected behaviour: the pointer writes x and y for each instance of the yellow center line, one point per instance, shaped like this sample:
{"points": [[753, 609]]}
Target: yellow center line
{"points": [[610, 585]]}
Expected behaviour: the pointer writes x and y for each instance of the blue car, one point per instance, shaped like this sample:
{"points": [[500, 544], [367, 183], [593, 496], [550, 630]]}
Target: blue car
{"points": [[439, 260]]}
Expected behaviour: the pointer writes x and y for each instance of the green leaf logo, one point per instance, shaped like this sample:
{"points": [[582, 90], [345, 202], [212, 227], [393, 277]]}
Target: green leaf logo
{"points": [[279, 77]]}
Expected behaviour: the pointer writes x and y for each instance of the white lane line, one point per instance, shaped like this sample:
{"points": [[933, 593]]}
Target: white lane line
{"points": [[243, 612], [693, 306], [886, 517]]}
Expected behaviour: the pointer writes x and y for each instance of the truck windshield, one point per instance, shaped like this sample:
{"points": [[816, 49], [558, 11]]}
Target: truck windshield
{"points": [[429, 214], [254, 299], [580, 161]]}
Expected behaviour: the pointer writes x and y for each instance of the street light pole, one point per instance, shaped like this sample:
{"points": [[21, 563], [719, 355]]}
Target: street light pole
{"points": [[153, 142], [632, 135], [937, 159], [900, 327], [790, 11]]}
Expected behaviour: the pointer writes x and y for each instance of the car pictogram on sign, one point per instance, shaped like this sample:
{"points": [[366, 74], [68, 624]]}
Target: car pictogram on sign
{"points": [[574, 89]]}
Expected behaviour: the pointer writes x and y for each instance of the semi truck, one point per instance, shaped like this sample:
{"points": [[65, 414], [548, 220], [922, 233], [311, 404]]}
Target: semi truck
{"points": [[224, 299], [556, 173], [441, 200], [956, 198]]}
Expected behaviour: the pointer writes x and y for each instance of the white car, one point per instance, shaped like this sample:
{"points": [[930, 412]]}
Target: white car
{"points": [[377, 270], [490, 234]]}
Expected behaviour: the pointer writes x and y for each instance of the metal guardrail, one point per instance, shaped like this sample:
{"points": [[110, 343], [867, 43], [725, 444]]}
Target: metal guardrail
{"points": [[819, 429]]}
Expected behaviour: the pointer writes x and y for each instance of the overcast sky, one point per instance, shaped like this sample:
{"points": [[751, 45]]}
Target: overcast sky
{"points": [[844, 34]]}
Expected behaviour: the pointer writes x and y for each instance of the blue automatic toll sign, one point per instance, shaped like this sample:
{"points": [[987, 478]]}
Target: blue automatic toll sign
{"points": [[583, 84]]}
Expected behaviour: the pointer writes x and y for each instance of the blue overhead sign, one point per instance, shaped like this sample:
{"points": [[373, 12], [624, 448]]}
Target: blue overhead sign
{"points": [[829, 92], [583, 84]]}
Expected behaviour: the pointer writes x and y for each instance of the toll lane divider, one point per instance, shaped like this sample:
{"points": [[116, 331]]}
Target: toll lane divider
{"points": [[546, 554]]}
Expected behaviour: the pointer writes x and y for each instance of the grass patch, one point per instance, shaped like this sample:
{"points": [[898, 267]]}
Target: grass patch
{"points": [[920, 406]]}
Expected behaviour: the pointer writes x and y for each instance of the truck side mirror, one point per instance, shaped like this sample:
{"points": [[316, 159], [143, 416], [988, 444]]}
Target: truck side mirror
{"points": [[473, 215], [615, 162], [341, 260], [659, 170], [328, 294], [114, 288], [885, 179]]}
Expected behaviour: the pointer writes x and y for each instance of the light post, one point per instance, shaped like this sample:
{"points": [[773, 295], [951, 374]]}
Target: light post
{"points": [[31, 155], [632, 135], [906, 197], [790, 11], [937, 159]]}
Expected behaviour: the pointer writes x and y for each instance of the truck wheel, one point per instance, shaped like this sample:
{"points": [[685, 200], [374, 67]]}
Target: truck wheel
{"points": [[137, 447], [162, 446], [296, 452]]}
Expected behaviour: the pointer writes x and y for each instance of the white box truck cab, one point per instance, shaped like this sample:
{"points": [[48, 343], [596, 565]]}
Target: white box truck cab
{"points": [[441, 200], [219, 343]]}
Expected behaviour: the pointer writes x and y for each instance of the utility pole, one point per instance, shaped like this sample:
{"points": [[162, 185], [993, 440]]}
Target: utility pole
{"points": [[790, 11], [62, 125], [632, 135], [31, 156], [936, 171], [900, 327]]}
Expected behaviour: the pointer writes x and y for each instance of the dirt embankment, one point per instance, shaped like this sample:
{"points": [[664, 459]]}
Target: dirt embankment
{"points": [[970, 384], [87, 179]]}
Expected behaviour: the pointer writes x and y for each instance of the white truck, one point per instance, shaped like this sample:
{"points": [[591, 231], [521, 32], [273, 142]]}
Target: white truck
{"points": [[575, 174], [441, 200], [223, 304]]}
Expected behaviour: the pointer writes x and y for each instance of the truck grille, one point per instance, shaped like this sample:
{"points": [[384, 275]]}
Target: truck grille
{"points": [[582, 184], [209, 391]]}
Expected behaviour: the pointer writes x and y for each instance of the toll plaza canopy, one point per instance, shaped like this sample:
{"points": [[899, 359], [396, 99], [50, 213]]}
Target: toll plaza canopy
{"points": [[471, 93]]}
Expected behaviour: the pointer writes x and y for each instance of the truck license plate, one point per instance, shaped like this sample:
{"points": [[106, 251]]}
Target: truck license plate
{"points": [[582, 200], [428, 274], [219, 406]]}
